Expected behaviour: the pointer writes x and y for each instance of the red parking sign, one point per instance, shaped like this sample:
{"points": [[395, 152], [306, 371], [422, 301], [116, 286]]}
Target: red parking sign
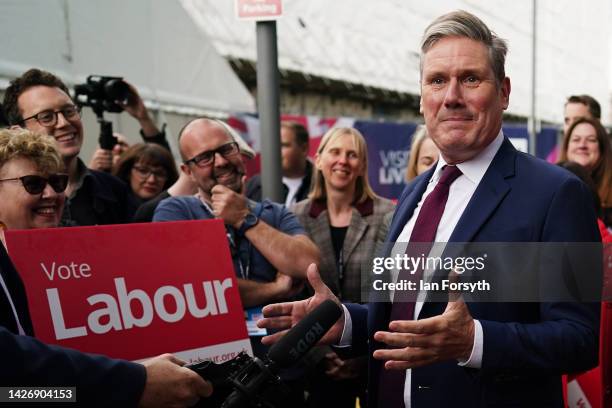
{"points": [[259, 9]]}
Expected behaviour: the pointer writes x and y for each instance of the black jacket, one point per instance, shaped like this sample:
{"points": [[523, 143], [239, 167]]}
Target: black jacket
{"points": [[101, 199]]}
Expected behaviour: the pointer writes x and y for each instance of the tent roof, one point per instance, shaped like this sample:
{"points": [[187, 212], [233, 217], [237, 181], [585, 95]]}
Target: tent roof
{"points": [[153, 44], [376, 44]]}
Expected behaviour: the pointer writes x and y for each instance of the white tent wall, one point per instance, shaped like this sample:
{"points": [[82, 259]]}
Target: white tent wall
{"points": [[153, 44], [376, 43]]}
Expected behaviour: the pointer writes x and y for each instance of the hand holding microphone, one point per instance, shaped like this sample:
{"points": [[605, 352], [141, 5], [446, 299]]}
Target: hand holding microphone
{"points": [[252, 382]]}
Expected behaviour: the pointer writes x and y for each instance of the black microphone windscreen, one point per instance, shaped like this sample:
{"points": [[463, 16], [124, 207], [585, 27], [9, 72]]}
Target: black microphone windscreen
{"points": [[304, 335]]}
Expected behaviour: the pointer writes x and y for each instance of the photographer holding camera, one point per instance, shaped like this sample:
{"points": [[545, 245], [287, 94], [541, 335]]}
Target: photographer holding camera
{"points": [[40, 101], [104, 159]]}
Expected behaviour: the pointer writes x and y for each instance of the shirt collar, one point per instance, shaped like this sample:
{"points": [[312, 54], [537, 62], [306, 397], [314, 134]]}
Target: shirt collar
{"points": [[475, 168], [82, 171], [364, 208]]}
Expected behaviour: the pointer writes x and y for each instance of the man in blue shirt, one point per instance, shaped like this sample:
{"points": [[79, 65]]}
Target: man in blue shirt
{"points": [[269, 247]]}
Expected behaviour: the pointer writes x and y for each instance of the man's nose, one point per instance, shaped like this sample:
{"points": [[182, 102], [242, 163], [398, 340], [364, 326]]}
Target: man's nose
{"points": [[220, 160], [454, 94], [61, 120]]}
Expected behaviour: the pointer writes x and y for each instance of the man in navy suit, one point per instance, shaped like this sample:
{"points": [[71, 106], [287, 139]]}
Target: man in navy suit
{"points": [[475, 354], [99, 381]]}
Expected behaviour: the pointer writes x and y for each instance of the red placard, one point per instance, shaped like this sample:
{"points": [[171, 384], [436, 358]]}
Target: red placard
{"points": [[133, 291], [259, 9]]}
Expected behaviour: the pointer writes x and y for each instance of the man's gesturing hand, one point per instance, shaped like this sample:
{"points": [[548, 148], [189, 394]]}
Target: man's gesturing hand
{"points": [[283, 316], [422, 342]]}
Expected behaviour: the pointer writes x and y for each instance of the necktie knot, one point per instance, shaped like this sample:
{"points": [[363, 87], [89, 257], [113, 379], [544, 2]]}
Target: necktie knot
{"points": [[449, 174]]}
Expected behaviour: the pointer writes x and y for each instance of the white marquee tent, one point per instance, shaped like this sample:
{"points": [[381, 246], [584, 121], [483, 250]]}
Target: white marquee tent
{"points": [[154, 44]]}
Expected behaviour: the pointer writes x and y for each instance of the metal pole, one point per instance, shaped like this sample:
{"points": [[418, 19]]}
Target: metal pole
{"points": [[269, 110], [533, 119]]}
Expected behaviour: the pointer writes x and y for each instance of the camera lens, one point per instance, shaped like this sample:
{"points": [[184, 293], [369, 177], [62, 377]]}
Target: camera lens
{"points": [[116, 90]]}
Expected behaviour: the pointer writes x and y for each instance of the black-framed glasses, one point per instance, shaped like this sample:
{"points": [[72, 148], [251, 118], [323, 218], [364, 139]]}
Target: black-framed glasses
{"points": [[49, 117], [145, 172], [205, 159], [35, 184]]}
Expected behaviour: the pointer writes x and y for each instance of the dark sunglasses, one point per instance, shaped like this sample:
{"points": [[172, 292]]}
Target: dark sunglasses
{"points": [[34, 184]]}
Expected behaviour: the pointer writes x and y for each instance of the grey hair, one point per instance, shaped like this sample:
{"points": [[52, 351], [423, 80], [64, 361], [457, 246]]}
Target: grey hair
{"points": [[460, 23]]}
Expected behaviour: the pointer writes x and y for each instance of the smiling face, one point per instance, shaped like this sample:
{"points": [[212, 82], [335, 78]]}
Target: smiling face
{"points": [[147, 180], [460, 99], [202, 136], [22, 210], [583, 146], [67, 133], [340, 164]]}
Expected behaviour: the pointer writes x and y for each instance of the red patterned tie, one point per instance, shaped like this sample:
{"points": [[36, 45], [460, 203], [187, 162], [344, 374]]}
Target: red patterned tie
{"points": [[391, 384]]}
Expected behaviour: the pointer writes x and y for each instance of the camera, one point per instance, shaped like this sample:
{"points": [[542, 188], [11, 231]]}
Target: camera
{"points": [[101, 92], [253, 382], [242, 382]]}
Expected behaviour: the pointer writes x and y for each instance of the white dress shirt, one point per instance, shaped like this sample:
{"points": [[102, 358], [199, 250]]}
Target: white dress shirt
{"points": [[293, 185], [460, 194]]}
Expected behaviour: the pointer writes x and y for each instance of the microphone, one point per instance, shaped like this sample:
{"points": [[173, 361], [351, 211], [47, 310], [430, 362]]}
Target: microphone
{"points": [[304, 335], [256, 383]]}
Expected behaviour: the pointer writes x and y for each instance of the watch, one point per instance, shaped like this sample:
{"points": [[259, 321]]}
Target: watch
{"points": [[249, 222]]}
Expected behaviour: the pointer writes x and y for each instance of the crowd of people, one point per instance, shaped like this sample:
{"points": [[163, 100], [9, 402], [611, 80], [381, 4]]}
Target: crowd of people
{"points": [[313, 245]]}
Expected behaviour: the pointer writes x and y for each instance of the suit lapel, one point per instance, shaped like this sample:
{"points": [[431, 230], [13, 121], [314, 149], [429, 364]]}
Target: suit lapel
{"points": [[407, 205], [355, 232], [488, 195], [320, 229], [17, 293]]}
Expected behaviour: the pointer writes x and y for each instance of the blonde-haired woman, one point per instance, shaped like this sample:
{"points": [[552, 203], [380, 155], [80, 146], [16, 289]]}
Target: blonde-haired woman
{"points": [[344, 217], [32, 180], [423, 153]]}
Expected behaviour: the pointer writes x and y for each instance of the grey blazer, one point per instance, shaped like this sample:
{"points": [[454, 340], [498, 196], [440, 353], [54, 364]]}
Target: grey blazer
{"points": [[365, 230]]}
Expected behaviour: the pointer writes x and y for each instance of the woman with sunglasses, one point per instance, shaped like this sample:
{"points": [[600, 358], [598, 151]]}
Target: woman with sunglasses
{"points": [[148, 169], [32, 180]]}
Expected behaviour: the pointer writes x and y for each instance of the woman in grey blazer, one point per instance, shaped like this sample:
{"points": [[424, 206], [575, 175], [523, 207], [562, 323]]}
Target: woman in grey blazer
{"points": [[344, 217]]}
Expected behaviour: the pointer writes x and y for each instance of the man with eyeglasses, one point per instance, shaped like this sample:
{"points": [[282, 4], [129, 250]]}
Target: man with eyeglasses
{"points": [[40, 101], [265, 238], [270, 249]]}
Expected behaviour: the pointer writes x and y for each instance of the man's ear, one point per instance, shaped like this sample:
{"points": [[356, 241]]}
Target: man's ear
{"points": [[185, 169], [505, 92], [421, 105]]}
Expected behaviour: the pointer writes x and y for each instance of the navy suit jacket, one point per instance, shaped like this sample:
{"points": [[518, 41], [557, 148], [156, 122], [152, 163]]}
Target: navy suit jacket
{"points": [[526, 345], [25, 361]]}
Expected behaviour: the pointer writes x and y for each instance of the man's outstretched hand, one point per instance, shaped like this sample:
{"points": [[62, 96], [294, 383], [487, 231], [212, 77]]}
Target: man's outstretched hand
{"points": [[283, 316]]}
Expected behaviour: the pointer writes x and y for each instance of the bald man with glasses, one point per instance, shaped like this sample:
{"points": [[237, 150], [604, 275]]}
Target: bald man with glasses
{"points": [[270, 248]]}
